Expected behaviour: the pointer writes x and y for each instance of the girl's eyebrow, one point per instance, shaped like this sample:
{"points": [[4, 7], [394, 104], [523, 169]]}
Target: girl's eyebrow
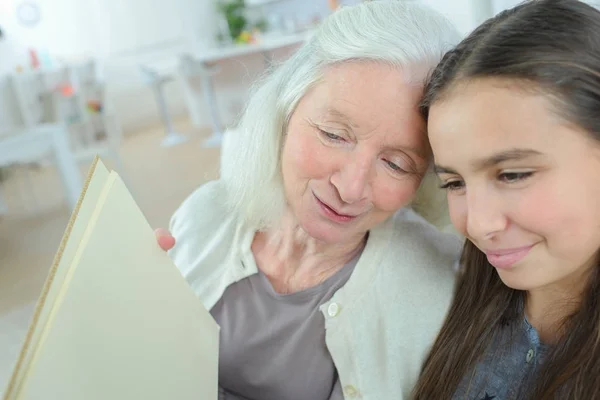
{"points": [[498, 158]]}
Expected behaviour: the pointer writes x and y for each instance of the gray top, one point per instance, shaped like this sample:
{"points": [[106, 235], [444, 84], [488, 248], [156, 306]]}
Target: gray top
{"points": [[272, 346], [508, 368]]}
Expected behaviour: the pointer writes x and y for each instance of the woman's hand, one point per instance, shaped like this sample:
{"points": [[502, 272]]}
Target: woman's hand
{"points": [[164, 239]]}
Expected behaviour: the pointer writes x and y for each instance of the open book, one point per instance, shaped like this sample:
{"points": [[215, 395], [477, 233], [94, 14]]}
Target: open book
{"points": [[115, 320]]}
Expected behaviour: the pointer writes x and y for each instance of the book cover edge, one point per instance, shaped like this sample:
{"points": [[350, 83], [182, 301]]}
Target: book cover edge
{"points": [[48, 283]]}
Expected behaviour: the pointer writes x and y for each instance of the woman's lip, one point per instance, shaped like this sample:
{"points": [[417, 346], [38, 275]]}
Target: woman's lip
{"points": [[506, 258], [332, 213]]}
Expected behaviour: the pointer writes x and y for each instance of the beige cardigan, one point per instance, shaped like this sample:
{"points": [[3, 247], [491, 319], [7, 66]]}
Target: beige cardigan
{"points": [[379, 326]]}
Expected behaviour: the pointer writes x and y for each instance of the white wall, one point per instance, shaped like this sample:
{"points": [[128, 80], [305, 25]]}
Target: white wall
{"points": [[465, 14], [500, 5]]}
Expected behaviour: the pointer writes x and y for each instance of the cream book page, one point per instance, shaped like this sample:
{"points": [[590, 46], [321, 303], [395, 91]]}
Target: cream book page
{"points": [[116, 319]]}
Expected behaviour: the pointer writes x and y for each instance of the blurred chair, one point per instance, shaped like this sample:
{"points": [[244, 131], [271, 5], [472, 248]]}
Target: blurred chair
{"points": [[74, 97], [156, 79], [192, 71], [96, 127], [44, 140], [31, 97], [68, 105], [34, 104]]}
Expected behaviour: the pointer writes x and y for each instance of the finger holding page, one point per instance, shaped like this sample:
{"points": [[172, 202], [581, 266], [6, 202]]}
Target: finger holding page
{"points": [[164, 239]]}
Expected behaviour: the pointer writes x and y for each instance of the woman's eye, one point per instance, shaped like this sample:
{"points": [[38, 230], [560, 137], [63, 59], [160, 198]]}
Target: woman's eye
{"points": [[452, 185], [395, 167], [331, 136], [511, 177]]}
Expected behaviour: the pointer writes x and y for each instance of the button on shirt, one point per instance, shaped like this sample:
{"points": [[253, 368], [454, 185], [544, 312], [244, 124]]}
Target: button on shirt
{"points": [[508, 368]]}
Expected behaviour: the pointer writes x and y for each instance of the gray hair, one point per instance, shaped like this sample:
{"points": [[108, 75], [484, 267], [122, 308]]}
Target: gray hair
{"points": [[405, 35]]}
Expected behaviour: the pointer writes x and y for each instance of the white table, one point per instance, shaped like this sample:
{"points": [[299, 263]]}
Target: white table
{"points": [[264, 44], [169, 67], [33, 144]]}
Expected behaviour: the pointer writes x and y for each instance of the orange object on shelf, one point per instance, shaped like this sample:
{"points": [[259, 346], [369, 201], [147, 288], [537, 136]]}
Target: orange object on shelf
{"points": [[67, 90], [33, 58]]}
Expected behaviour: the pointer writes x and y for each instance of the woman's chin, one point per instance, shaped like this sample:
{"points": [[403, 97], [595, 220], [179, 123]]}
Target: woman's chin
{"points": [[325, 232]]}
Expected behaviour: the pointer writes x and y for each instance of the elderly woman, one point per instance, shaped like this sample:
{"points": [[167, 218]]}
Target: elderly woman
{"points": [[324, 282]]}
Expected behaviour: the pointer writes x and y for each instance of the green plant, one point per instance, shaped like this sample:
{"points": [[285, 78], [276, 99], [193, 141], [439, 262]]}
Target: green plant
{"points": [[233, 10]]}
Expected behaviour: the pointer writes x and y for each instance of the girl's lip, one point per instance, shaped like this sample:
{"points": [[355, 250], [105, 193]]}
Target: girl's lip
{"points": [[506, 258]]}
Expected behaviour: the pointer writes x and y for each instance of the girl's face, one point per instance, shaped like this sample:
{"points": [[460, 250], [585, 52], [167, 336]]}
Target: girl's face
{"points": [[523, 185]]}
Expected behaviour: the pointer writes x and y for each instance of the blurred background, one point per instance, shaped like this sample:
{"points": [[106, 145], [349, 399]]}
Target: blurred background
{"points": [[154, 88]]}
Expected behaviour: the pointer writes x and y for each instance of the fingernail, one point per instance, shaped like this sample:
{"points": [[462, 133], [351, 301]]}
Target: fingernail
{"points": [[161, 232]]}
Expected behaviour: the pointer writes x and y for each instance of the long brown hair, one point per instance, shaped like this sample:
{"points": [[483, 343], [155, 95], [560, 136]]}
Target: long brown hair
{"points": [[552, 46]]}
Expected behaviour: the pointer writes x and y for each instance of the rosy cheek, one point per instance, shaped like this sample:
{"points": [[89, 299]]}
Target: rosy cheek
{"points": [[390, 196], [307, 156], [537, 210], [297, 153]]}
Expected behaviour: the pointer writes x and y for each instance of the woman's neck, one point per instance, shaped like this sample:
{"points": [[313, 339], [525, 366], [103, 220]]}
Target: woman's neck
{"points": [[293, 260]]}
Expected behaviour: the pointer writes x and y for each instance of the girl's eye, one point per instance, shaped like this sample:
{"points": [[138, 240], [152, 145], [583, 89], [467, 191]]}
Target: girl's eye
{"points": [[512, 177], [452, 185]]}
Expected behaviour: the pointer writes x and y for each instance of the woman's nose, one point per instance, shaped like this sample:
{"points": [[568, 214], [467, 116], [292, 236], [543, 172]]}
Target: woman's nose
{"points": [[353, 181]]}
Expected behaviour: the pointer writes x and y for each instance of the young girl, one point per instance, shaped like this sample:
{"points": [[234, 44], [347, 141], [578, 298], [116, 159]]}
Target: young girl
{"points": [[514, 123]]}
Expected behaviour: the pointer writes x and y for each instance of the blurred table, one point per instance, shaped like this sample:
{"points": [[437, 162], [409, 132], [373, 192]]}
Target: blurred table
{"points": [[169, 67], [34, 144], [264, 44]]}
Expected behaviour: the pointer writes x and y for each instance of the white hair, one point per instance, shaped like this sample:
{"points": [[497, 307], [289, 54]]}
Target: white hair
{"points": [[405, 35]]}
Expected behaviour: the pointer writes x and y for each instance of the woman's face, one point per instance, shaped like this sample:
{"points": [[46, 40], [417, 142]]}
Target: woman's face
{"points": [[523, 185], [355, 151]]}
